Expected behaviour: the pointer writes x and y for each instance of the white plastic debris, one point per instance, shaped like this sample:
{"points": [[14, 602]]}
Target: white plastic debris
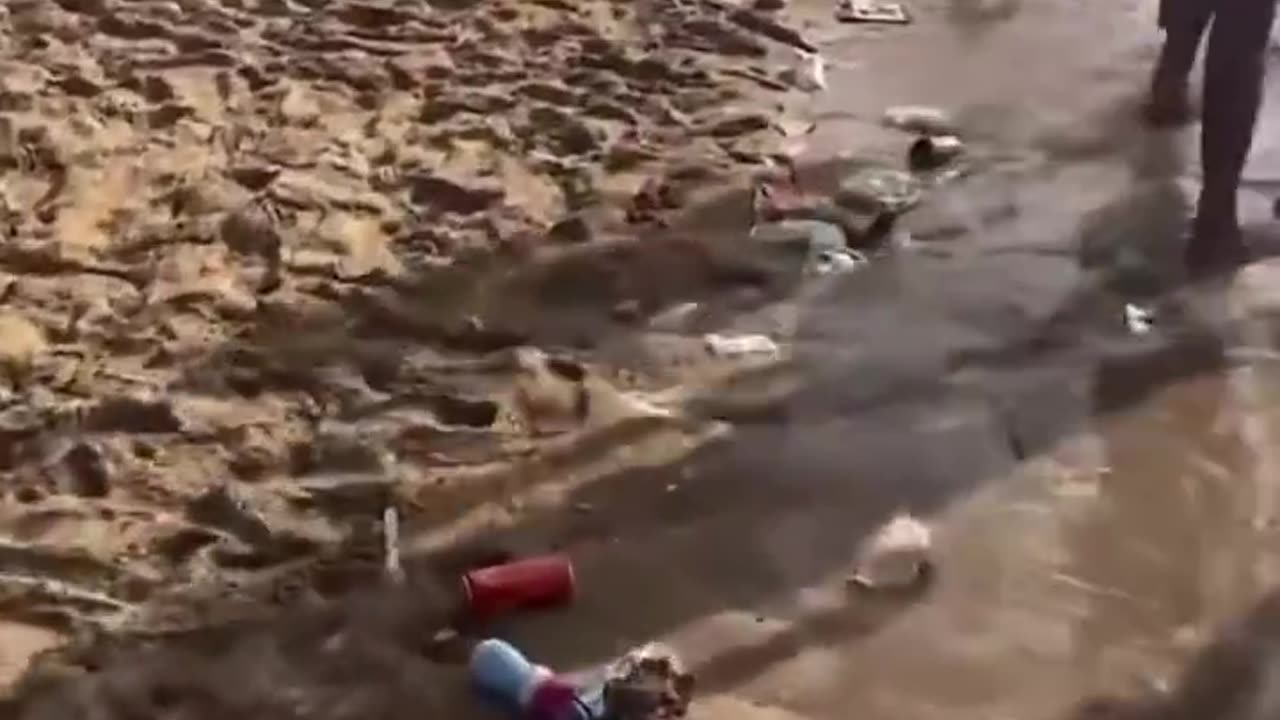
{"points": [[1138, 319], [872, 11], [811, 71], [836, 262], [896, 556], [920, 119], [740, 346], [391, 545]]}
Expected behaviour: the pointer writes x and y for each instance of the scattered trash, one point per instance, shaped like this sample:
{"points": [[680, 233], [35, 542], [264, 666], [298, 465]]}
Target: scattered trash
{"points": [[934, 151], [391, 545], [826, 244], [872, 11], [674, 318], [809, 73], [879, 190], [504, 676], [737, 346], [648, 683], [919, 119], [1139, 319], [897, 557], [536, 582], [836, 262]]}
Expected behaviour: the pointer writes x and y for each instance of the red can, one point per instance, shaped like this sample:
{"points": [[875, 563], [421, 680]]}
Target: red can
{"points": [[536, 582]]}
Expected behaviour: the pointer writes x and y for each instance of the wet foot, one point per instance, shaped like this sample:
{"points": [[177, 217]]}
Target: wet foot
{"points": [[1169, 107], [1216, 253]]}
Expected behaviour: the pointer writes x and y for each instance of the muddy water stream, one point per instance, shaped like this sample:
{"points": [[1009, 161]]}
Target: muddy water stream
{"points": [[1104, 498]]}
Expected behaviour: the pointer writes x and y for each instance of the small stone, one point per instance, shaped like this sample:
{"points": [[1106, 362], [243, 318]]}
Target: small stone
{"points": [[21, 343], [298, 107], [896, 557], [627, 311], [89, 472], [573, 230], [920, 119]]}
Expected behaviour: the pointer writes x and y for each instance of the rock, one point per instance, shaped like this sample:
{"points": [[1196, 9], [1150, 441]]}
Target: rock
{"points": [[896, 557], [545, 399], [442, 195], [132, 415], [88, 471], [920, 119], [222, 509], [21, 343], [877, 189], [338, 451], [627, 311], [298, 107], [771, 28], [573, 230], [740, 125], [252, 229]]}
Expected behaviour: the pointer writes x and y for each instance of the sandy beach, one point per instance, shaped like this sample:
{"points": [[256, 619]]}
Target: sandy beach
{"points": [[245, 277]]}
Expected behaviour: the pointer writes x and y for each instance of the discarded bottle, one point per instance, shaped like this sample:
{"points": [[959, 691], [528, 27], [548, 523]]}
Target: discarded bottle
{"points": [[504, 676], [544, 581]]}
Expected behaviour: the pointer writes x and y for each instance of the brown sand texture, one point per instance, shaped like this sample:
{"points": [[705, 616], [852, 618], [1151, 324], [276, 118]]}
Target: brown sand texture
{"points": [[240, 310]]}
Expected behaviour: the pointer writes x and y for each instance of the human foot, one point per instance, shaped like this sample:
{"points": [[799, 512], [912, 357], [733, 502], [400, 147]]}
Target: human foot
{"points": [[1216, 252]]}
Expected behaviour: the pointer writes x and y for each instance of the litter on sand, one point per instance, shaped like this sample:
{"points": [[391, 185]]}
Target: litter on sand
{"points": [[896, 557], [920, 120], [1138, 319], [741, 346], [809, 72], [872, 11], [648, 683]]}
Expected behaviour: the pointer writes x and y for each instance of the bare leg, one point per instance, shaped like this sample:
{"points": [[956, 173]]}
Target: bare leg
{"points": [[1184, 23], [1234, 73]]}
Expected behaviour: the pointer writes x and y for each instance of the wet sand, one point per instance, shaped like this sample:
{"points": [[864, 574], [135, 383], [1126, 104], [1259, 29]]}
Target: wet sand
{"points": [[1103, 501]]}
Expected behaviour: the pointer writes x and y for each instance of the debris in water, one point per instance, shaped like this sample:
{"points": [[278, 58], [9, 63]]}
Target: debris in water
{"points": [[648, 683], [872, 11], [391, 545], [1139, 319], [536, 582], [836, 262], [919, 119], [737, 346], [503, 675], [934, 151], [879, 190], [809, 73], [897, 557], [826, 245]]}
